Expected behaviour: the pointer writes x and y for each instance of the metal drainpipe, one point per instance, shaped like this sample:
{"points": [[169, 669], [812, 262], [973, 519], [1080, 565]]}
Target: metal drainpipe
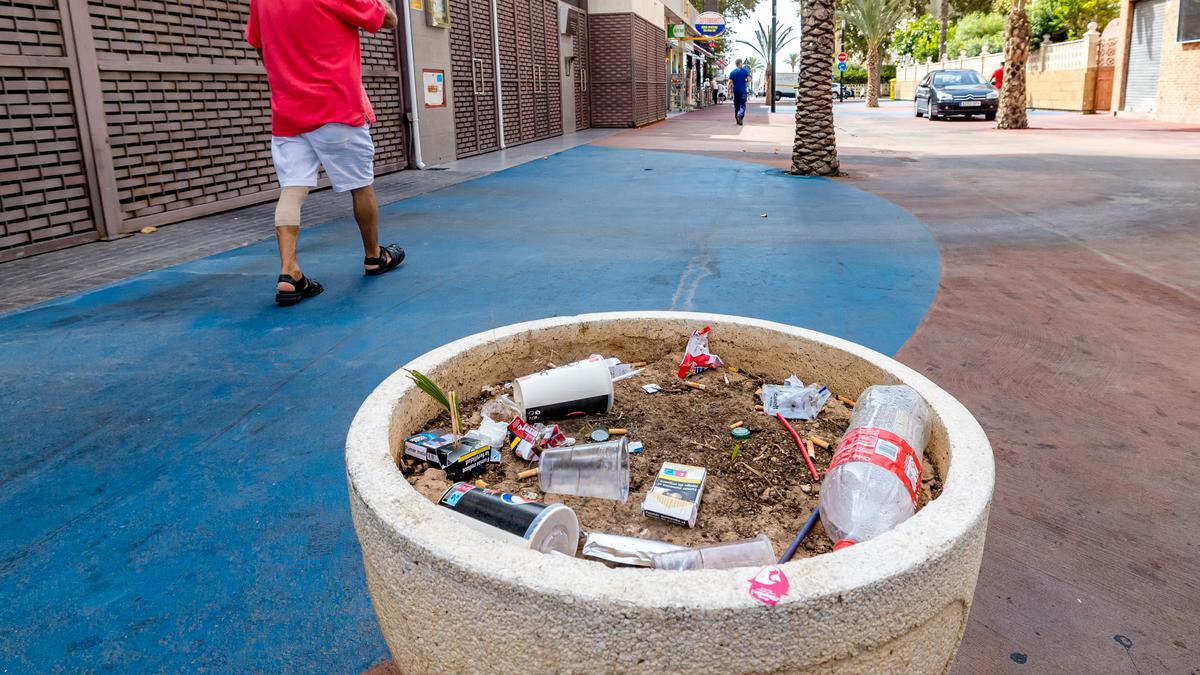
{"points": [[412, 86], [499, 92]]}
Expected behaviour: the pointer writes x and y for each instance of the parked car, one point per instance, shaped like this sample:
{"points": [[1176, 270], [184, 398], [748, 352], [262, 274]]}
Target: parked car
{"points": [[846, 91], [781, 94], [943, 93]]}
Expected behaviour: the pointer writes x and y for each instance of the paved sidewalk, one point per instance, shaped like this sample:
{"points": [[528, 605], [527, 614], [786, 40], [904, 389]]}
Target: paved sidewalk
{"points": [[1067, 320], [180, 502]]}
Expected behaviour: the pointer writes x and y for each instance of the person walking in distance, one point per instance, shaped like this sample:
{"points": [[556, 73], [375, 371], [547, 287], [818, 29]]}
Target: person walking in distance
{"points": [[739, 84], [998, 76], [320, 116]]}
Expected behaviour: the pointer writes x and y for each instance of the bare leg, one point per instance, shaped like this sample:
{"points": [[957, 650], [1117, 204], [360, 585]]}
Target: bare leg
{"points": [[286, 237], [366, 213]]}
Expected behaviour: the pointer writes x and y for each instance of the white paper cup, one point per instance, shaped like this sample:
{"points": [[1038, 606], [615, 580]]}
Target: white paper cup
{"points": [[578, 389]]}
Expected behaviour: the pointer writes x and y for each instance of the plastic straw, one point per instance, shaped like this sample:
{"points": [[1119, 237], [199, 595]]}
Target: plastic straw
{"points": [[800, 444], [808, 526]]}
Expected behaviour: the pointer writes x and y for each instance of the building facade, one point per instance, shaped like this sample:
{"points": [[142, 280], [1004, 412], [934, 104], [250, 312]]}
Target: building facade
{"points": [[123, 114], [1157, 63]]}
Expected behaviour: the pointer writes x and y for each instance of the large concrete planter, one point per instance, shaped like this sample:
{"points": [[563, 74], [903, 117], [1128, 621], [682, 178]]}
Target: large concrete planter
{"points": [[450, 598]]}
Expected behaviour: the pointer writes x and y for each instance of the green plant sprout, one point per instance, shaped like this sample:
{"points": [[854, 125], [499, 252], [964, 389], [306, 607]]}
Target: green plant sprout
{"points": [[447, 401]]}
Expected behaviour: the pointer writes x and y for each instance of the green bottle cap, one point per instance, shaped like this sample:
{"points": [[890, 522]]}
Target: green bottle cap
{"points": [[740, 433]]}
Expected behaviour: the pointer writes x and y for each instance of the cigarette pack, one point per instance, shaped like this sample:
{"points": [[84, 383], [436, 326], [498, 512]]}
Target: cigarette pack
{"points": [[426, 446], [675, 495], [437, 448]]}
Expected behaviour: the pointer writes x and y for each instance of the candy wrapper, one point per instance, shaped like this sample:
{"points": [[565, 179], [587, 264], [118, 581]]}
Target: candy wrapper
{"points": [[697, 358], [795, 400]]}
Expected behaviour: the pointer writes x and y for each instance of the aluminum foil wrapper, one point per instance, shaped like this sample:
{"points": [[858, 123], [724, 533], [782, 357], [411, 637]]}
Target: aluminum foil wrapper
{"points": [[625, 550]]}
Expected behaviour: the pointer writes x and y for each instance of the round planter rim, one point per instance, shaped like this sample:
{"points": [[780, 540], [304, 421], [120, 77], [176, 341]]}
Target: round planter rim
{"points": [[964, 501]]}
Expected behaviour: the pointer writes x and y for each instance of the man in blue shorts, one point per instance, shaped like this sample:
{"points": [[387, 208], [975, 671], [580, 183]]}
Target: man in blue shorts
{"points": [[739, 82]]}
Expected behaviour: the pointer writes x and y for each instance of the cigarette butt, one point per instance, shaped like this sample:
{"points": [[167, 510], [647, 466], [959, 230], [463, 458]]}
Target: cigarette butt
{"points": [[846, 399], [617, 432], [732, 369], [529, 473], [693, 385], [739, 423], [480, 484], [819, 441], [811, 452], [758, 407], [638, 364], [551, 364]]}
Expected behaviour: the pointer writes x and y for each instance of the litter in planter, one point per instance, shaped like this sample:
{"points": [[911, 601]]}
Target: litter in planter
{"points": [[740, 433], [636, 447], [795, 400], [697, 358], [875, 477], [547, 527], [748, 553], [599, 470], [580, 388], [651, 388], [675, 495], [625, 550], [599, 435]]}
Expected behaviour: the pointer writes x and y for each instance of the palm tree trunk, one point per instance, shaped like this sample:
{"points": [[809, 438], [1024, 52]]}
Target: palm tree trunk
{"points": [[815, 150], [873, 60], [1016, 53]]}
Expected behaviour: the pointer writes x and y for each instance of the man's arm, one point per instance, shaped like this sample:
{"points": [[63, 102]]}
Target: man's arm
{"points": [[390, 20]]}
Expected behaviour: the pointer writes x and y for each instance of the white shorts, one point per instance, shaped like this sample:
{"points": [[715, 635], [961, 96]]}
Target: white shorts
{"points": [[346, 152]]}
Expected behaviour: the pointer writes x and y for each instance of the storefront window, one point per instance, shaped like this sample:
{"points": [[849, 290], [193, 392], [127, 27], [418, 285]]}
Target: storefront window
{"points": [[1189, 20]]}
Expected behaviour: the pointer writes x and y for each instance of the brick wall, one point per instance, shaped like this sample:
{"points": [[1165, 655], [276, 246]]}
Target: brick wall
{"points": [[650, 72], [1178, 74], [610, 55], [188, 108], [626, 56], [176, 122], [45, 198]]}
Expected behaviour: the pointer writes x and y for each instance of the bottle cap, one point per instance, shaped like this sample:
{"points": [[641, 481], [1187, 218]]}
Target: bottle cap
{"points": [[600, 435], [740, 433]]}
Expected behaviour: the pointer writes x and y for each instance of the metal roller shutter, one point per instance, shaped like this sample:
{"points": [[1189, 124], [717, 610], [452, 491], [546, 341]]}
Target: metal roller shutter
{"points": [[1145, 46]]}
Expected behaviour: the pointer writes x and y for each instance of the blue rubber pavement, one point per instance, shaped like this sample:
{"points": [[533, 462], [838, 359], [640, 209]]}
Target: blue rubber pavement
{"points": [[173, 492]]}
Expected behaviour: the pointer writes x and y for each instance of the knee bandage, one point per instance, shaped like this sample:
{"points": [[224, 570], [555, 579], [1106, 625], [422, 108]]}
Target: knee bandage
{"points": [[287, 211]]}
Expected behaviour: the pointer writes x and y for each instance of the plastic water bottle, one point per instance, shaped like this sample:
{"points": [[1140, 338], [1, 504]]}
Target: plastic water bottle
{"points": [[875, 476]]}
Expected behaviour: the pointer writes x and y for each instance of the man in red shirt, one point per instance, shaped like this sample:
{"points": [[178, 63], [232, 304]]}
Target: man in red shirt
{"points": [[998, 76], [320, 116]]}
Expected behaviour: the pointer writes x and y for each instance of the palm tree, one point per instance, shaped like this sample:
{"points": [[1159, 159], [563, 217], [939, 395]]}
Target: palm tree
{"points": [[875, 20], [762, 45], [792, 60], [753, 65], [814, 152], [1016, 53]]}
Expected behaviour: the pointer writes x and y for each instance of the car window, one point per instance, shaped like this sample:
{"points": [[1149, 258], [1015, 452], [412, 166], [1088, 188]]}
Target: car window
{"points": [[925, 81], [952, 77]]}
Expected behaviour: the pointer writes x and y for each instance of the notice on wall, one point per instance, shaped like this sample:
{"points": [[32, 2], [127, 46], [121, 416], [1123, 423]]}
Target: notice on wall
{"points": [[434, 82], [418, 5]]}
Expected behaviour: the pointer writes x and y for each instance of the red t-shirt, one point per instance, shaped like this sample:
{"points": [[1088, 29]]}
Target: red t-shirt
{"points": [[998, 76], [313, 60]]}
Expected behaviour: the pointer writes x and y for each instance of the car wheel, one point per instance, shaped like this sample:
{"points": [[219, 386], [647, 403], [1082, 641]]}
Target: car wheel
{"points": [[932, 111], [917, 108]]}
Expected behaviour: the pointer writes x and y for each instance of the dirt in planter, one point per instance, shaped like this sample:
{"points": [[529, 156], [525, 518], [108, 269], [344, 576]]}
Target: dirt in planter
{"points": [[765, 488]]}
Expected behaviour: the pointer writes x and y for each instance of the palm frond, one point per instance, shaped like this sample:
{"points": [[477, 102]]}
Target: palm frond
{"points": [[447, 401]]}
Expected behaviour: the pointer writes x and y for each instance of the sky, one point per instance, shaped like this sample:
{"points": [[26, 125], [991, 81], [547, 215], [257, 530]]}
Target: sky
{"points": [[787, 13]]}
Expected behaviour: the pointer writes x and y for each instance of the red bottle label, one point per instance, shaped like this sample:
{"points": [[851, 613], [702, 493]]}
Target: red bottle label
{"points": [[881, 448]]}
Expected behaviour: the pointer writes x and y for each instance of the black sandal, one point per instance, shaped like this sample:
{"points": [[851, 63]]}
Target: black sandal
{"points": [[305, 288], [390, 257]]}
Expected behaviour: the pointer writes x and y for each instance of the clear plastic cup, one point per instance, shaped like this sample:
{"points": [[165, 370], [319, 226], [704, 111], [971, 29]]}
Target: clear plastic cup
{"points": [[598, 470], [754, 552]]}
